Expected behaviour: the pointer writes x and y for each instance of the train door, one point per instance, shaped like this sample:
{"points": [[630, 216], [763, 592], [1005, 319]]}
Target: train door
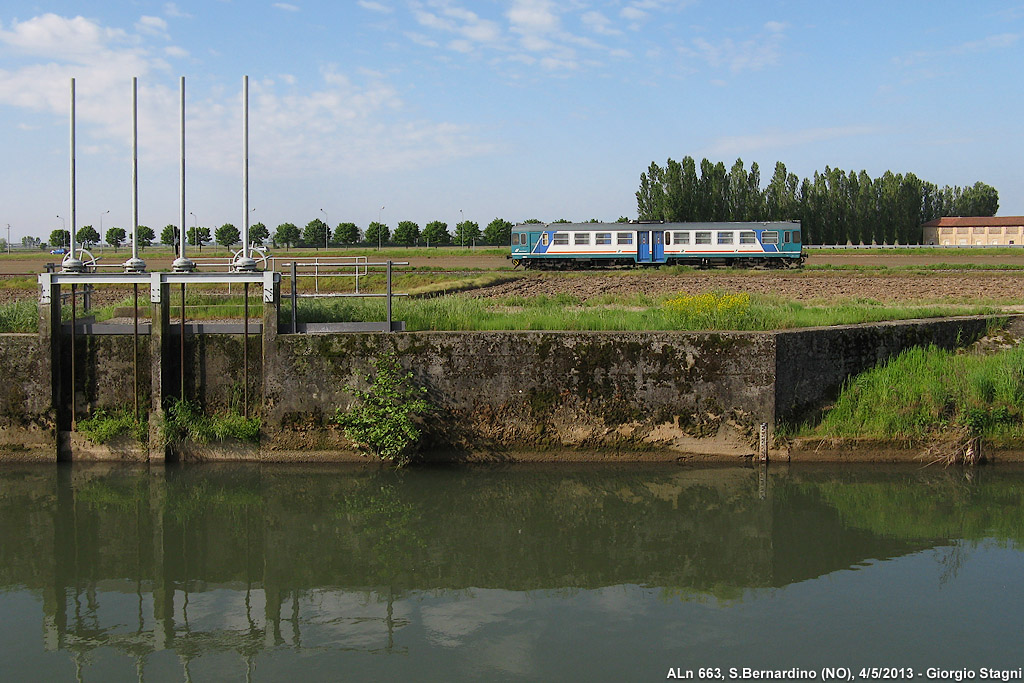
{"points": [[658, 246], [534, 242], [643, 247]]}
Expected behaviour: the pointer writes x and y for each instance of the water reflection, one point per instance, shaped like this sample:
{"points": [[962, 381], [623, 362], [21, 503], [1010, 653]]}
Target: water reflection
{"points": [[228, 563]]}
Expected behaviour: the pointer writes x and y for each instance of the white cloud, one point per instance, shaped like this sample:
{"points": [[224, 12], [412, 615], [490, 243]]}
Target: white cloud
{"points": [[375, 6], [752, 54], [286, 7], [745, 144], [154, 26], [171, 9], [338, 122], [998, 41], [531, 17], [599, 23], [176, 52]]}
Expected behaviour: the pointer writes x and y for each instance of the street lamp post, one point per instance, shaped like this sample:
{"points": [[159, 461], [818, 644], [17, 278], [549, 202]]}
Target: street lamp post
{"points": [[327, 232]]}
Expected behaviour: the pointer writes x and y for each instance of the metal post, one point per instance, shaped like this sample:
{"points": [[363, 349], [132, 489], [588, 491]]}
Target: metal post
{"points": [[74, 315], [389, 295], [135, 264], [245, 263], [295, 297], [181, 354], [245, 357], [71, 263], [182, 264], [135, 349]]}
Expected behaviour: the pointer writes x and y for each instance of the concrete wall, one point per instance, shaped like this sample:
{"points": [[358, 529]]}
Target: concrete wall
{"points": [[672, 392]]}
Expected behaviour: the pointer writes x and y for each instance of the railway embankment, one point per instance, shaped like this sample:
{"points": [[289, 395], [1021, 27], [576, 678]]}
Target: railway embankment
{"points": [[498, 395]]}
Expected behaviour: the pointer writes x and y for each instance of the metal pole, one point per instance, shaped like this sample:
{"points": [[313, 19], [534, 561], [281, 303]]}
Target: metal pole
{"points": [[71, 263], [135, 349], [182, 264], [135, 264], [327, 235], [181, 352], [294, 298], [245, 263], [245, 357], [389, 295], [74, 315]]}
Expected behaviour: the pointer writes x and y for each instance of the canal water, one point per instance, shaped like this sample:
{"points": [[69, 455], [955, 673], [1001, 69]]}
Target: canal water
{"points": [[270, 573]]}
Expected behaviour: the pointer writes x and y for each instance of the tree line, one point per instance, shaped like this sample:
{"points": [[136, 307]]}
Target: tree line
{"points": [[834, 207]]}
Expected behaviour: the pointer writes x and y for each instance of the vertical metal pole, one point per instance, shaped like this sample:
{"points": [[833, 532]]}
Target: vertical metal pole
{"points": [[389, 295], [245, 357], [245, 168], [74, 316], [135, 171], [73, 245], [295, 297], [135, 349], [181, 352], [181, 182]]}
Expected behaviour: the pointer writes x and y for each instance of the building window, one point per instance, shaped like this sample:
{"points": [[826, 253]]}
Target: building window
{"points": [[703, 238], [582, 238], [624, 238], [604, 238]]}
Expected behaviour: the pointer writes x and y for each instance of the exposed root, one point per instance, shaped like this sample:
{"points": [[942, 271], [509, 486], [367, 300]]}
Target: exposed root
{"points": [[959, 448]]}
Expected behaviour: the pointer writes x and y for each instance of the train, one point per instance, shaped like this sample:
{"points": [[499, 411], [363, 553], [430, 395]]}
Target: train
{"points": [[570, 246]]}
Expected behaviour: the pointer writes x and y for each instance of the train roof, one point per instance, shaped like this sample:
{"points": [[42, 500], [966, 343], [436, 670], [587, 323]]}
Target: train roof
{"points": [[720, 225]]}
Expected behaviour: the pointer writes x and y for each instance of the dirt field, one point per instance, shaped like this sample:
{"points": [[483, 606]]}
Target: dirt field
{"points": [[953, 285]]}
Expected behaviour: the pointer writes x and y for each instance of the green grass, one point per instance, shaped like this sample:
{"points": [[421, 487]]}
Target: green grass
{"points": [[925, 391], [627, 313], [186, 420], [103, 426], [19, 316]]}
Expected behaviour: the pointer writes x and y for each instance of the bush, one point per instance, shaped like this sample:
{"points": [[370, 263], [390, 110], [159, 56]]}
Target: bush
{"points": [[384, 420], [186, 420]]}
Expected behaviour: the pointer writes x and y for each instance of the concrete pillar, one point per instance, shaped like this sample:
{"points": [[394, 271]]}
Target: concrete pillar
{"points": [[49, 340], [270, 355], [159, 343]]}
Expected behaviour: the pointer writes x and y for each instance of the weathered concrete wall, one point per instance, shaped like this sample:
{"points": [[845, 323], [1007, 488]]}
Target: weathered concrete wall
{"points": [[27, 419], [812, 364], [678, 392], [532, 389]]}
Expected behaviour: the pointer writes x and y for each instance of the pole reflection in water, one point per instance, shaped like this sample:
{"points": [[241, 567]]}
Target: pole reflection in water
{"points": [[266, 572]]}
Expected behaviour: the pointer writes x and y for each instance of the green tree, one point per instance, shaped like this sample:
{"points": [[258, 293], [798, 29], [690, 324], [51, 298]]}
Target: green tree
{"points": [[315, 233], [258, 234], [115, 237], [346, 233], [226, 235], [498, 231], [466, 232], [198, 236], [60, 238], [378, 233], [436, 233], [533, 221], [407, 233], [287, 234], [145, 235], [169, 235], [87, 236]]}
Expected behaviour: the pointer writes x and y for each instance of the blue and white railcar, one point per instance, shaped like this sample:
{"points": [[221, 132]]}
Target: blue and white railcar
{"points": [[601, 245]]}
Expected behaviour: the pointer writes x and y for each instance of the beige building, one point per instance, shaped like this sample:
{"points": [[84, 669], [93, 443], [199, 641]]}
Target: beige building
{"points": [[974, 231]]}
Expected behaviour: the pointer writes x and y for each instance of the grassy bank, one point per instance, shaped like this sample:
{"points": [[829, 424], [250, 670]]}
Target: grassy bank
{"points": [[928, 393]]}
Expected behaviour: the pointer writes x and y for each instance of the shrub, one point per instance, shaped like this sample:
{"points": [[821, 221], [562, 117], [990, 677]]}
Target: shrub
{"points": [[383, 422]]}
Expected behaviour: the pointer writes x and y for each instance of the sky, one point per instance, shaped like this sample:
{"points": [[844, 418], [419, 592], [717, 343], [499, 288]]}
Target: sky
{"points": [[448, 109]]}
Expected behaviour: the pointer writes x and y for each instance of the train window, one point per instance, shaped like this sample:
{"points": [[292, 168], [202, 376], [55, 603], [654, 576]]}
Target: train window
{"points": [[604, 238], [747, 237], [703, 238], [544, 239], [681, 237], [624, 238], [796, 236], [785, 237], [725, 238], [769, 237], [581, 238], [668, 238], [561, 238]]}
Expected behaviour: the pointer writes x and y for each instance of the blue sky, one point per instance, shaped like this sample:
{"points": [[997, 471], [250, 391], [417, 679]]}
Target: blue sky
{"points": [[437, 109]]}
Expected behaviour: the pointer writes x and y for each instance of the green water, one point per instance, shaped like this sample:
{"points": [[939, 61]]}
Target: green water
{"points": [[514, 573]]}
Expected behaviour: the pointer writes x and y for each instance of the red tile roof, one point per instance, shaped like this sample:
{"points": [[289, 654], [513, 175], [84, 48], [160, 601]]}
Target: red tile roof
{"points": [[974, 221]]}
